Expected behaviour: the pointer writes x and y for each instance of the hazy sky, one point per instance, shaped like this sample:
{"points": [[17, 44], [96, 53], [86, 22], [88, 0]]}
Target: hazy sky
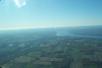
{"points": [[50, 13]]}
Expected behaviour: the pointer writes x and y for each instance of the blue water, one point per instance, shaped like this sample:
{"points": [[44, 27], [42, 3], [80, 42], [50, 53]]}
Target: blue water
{"points": [[77, 35]]}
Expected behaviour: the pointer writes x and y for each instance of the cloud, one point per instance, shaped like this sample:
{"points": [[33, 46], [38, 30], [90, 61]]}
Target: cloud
{"points": [[20, 3]]}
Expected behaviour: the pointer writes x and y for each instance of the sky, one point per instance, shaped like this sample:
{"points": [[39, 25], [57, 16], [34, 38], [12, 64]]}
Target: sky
{"points": [[49, 13]]}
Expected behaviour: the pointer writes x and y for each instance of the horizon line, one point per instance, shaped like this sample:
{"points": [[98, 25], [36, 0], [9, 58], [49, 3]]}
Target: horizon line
{"points": [[40, 27]]}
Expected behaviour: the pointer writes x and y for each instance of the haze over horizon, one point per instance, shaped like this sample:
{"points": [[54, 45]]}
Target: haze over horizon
{"points": [[49, 13]]}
